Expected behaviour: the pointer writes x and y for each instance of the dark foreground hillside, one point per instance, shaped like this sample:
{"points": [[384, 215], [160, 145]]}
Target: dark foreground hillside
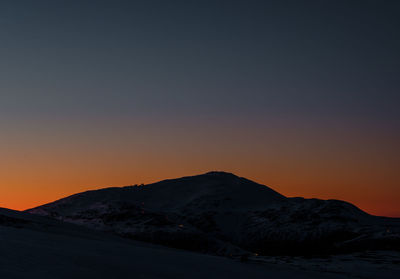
{"points": [[39, 248]]}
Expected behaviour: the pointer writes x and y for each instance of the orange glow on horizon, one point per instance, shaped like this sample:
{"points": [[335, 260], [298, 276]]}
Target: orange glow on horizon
{"points": [[50, 191], [358, 166]]}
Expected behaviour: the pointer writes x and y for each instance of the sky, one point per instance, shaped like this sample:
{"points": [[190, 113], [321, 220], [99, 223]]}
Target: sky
{"points": [[301, 96]]}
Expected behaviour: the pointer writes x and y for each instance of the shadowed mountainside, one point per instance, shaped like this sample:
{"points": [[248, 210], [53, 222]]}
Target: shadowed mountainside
{"points": [[223, 214]]}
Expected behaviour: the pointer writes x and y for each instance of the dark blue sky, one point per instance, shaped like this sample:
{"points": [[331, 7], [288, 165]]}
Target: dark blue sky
{"points": [[307, 57]]}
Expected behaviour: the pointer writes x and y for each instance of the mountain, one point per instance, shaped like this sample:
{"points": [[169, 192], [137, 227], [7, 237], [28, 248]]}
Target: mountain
{"points": [[221, 213]]}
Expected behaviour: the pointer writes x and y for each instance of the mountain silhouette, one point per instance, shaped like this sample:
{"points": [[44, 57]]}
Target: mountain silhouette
{"points": [[224, 214]]}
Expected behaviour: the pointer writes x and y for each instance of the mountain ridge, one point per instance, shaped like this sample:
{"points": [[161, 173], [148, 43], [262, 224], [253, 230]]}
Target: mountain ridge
{"points": [[221, 213]]}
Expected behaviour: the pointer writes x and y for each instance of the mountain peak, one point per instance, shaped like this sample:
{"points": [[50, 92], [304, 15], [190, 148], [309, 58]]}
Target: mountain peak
{"points": [[220, 173]]}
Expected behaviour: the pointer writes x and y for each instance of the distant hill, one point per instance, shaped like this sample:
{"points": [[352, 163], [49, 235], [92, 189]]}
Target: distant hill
{"points": [[224, 214]]}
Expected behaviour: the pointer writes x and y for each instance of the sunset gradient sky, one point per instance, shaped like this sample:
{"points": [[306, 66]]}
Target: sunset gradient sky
{"points": [[302, 96]]}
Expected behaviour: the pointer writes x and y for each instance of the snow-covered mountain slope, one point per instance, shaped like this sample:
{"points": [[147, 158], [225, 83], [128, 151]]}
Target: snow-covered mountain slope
{"points": [[221, 213], [38, 247]]}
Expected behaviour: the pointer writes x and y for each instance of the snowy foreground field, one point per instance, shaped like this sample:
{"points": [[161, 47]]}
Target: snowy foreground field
{"points": [[37, 247]]}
